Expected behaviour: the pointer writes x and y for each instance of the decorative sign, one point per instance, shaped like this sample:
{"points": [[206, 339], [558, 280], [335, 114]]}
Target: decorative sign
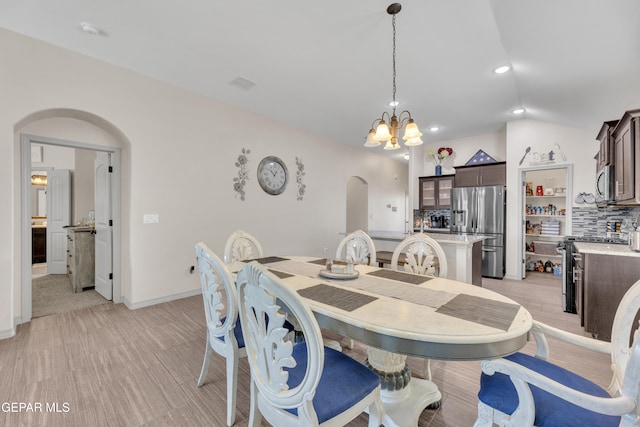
{"points": [[480, 158], [544, 157]]}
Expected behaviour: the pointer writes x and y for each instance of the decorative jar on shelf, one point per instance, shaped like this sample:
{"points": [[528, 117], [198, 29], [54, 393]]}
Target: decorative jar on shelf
{"points": [[438, 170]]}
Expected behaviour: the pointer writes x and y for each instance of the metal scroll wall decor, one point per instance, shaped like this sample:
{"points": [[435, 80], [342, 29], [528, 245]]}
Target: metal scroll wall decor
{"points": [[243, 174], [299, 178]]}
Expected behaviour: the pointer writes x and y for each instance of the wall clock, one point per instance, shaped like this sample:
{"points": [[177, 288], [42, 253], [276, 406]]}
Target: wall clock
{"points": [[273, 175]]}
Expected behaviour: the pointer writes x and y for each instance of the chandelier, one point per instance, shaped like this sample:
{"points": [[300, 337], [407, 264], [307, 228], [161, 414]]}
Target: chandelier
{"points": [[388, 133]]}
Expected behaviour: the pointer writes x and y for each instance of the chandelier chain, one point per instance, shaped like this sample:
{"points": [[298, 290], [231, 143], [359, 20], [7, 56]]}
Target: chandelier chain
{"points": [[393, 24]]}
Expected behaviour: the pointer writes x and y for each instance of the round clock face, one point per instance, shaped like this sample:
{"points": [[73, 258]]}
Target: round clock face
{"points": [[272, 175]]}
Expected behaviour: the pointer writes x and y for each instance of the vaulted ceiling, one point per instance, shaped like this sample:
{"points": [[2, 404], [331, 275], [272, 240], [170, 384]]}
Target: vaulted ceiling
{"points": [[325, 66]]}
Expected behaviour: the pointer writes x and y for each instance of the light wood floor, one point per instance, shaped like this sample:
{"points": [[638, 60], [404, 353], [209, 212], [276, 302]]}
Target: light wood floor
{"points": [[110, 366]]}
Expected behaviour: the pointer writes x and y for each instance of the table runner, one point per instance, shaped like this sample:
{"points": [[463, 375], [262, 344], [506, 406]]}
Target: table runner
{"points": [[373, 284]]}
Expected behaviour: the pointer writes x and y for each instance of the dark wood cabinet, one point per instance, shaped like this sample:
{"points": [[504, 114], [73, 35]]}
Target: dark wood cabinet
{"points": [[606, 154], [435, 191], [38, 245], [626, 139], [481, 175], [605, 279]]}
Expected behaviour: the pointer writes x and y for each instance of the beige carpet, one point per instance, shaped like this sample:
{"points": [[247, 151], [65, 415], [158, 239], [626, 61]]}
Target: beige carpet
{"points": [[51, 294]]}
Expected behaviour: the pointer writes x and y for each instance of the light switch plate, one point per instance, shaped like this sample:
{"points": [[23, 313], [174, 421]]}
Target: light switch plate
{"points": [[151, 218]]}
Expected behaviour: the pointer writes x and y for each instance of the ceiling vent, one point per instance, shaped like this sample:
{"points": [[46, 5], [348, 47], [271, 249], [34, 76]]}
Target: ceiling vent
{"points": [[243, 83]]}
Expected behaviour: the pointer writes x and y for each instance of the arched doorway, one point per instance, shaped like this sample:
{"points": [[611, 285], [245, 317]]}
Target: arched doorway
{"points": [[357, 204], [94, 133]]}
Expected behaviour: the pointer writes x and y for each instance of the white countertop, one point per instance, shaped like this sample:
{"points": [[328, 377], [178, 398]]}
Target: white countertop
{"points": [[443, 238], [605, 249]]}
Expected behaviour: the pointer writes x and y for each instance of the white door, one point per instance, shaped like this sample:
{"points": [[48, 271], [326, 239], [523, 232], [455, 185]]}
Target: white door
{"points": [[58, 216], [103, 225]]}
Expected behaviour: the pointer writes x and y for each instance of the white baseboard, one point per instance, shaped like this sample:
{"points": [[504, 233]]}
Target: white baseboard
{"points": [[147, 303], [8, 333]]}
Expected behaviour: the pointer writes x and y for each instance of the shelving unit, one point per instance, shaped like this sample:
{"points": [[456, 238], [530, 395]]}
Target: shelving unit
{"points": [[545, 219]]}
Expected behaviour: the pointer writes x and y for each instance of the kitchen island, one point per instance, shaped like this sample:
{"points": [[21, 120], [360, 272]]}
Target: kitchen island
{"points": [[463, 252]]}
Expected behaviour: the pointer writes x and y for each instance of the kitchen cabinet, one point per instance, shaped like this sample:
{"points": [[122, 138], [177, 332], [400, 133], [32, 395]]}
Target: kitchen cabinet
{"points": [[38, 245], [626, 137], [605, 277], [606, 153], [81, 257], [483, 175], [435, 191]]}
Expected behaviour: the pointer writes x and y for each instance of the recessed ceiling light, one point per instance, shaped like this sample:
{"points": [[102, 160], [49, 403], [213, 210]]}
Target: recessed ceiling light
{"points": [[434, 128], [90, 28], [502, 69], [518, 111], [394, 104]]}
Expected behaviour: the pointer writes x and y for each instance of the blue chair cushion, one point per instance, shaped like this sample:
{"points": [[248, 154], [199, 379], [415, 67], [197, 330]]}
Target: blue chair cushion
{"points": [[498, 392], [237, 331], [343, 383]]}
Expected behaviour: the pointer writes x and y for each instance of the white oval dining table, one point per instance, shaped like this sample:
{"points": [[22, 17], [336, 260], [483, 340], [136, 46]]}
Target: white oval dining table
{"points": [[398, 314]]}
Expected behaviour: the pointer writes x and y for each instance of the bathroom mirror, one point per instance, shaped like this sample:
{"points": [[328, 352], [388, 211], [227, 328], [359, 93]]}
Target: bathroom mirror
{"points": [[39, 194]]}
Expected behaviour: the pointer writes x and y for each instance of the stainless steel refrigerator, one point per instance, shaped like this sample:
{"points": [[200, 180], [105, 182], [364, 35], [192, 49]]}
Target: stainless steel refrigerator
{"points": [[481, 211]]}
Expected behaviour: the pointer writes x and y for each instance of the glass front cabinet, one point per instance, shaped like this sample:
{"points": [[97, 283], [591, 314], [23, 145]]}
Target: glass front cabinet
{"points": [[435, 191]]}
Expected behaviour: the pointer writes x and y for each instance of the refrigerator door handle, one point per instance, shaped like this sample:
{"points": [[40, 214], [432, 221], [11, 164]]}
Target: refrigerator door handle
{"points": [[488, 250]]}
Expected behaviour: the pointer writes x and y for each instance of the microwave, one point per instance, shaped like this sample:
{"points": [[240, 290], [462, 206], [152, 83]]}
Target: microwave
{"points": [[604, 185]]}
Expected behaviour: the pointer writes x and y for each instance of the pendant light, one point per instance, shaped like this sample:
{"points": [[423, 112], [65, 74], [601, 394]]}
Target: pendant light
{"points": [[388, 132]]}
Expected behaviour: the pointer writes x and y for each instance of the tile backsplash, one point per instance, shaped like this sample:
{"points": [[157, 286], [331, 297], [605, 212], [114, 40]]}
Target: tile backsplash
{"points": [[593, 221]]}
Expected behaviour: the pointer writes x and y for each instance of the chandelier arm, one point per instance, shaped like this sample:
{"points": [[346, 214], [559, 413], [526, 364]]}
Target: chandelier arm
{"points": [[403, 120]]}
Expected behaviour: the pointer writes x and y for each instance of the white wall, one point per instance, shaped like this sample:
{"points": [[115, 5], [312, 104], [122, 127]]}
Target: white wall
{"points": [[179, 157]]}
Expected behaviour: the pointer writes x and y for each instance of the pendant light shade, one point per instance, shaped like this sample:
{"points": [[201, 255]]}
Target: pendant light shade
{"points": [[413, 142], [411, 131], [382, 132], [371, 140], [391, 145]]}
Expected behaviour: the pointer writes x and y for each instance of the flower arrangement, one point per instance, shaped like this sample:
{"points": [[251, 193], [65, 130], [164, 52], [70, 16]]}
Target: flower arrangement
{"points": [[441, 155]]}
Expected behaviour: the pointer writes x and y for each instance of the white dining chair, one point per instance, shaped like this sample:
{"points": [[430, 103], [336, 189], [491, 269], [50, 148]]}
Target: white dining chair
{"points": [[358, 248], [422, 255], [306, 384], [241, 246], [224, 332], [524, 390]]}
